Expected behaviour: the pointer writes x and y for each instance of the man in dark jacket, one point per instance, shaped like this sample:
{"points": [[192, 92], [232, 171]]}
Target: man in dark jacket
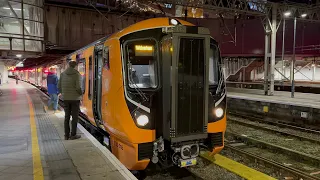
{"points": [[70, 88], [52, 85]]}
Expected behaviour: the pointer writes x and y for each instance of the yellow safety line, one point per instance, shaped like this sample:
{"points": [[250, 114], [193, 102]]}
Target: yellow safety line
{"points": [[37, 165], [236, 168]]}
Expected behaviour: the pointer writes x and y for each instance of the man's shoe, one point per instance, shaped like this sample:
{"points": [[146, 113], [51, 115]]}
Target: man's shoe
{"points": [[66, 137], [77, 136], [56, 111]]}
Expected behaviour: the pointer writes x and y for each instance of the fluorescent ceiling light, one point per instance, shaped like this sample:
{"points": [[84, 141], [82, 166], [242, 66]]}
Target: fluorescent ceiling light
{"points": [[12, 8], [288, 13]]}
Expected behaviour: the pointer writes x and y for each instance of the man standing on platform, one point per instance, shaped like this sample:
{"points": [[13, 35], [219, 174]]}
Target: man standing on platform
{"points": [[70, 88], [52, 85]]}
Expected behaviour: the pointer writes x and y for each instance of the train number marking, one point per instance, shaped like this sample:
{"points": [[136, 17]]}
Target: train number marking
{"points": [[118, 145]]}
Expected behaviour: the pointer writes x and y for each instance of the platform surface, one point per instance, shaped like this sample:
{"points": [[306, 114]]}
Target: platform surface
{"points": [[32, 144], [279, 97]]}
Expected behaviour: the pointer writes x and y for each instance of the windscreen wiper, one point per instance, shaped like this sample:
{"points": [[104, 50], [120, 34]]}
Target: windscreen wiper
{"points": [[135, 86], [220, 81]]}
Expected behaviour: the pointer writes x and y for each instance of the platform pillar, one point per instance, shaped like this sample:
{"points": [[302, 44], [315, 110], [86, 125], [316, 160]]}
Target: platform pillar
{"points": [[273, 47], [266, 59], [313, 72], [4, 73]]}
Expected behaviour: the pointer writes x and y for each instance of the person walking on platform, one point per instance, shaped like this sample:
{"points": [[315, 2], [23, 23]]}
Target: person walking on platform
{"points": [[52, 84], [0, 78], [70, 88], [17, 78]]}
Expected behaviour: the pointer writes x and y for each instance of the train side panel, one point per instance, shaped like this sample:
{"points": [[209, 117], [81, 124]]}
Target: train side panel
{"points": [[86, 106], [119, 123]]}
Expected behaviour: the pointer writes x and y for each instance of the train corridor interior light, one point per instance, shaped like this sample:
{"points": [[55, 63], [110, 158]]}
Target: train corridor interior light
{"points": [[287, 14], [142, 120], [219, 112]]}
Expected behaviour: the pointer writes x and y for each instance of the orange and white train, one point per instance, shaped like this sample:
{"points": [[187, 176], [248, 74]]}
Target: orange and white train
{"points": [[156, 88]]}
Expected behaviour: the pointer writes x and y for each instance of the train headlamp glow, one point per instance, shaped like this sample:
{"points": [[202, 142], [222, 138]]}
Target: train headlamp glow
{"points": [[142, 120], [174, 22], [219, 112]]}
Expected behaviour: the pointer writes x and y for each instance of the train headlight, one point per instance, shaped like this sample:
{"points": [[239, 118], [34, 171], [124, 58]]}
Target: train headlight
{"points": [[142, 120], [174, 22], [219, 112]]}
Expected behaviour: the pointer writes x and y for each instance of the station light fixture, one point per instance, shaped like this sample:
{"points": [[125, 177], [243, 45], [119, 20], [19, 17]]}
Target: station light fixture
{"points": [[287, 13], [304, 15], [16, 9], [19, 55]]}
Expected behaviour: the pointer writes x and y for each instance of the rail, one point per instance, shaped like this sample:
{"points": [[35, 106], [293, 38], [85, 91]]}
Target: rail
{"points": [[277, 166]]}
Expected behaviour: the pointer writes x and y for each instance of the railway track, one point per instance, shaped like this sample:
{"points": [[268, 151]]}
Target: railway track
{"points": [[153, 172], [299, 156], [281, 169], [275, 123], [282, 131], [261, 142]]}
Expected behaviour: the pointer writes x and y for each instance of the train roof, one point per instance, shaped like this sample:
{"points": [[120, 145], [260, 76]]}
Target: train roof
{"points": [[148, 24], [152, 23]]}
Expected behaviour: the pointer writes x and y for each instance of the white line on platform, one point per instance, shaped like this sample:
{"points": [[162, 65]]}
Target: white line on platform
{"points": [[122, 169]]}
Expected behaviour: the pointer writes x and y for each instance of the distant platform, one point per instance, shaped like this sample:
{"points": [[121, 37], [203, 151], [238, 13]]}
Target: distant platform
{"points": [[302, 110], [280, 97], [304, 87], [32, 144]]}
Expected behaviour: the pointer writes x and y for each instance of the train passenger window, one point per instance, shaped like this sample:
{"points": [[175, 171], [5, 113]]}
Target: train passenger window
{"points": [[142, 64], [214, 64], [106, 60], [90, 78], [82, 71]]}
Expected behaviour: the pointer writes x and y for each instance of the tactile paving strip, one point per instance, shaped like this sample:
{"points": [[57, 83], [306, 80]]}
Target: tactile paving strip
{"points": [[52, 148]]}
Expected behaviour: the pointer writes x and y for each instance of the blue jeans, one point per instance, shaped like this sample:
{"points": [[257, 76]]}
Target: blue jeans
{"points": [[53, 100]]}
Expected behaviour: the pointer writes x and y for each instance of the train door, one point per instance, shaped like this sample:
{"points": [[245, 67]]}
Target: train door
{"points": [[97, 84]]}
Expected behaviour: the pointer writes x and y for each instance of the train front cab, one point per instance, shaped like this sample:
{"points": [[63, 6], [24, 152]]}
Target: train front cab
{"points": [[164, 110]]}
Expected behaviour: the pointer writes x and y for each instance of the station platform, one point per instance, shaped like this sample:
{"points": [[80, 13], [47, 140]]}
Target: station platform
{"points": [[302, 110], [32, 144], [279, 97], [303, 87]]}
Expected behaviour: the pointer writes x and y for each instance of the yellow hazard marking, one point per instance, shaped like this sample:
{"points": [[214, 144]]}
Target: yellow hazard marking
{"points": [[37, 165], [236, 168]]}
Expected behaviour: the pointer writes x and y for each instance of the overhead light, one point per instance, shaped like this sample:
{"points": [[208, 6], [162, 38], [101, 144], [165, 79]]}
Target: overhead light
{"points": [[12, 8], [19, 55], [287, 14], [304, 15]]}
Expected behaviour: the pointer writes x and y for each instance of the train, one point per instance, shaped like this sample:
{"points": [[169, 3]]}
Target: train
{"points": [[156, 88]]}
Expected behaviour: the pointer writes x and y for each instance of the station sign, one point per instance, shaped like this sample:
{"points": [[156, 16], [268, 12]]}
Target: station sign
{"points": [[168, 6]]}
